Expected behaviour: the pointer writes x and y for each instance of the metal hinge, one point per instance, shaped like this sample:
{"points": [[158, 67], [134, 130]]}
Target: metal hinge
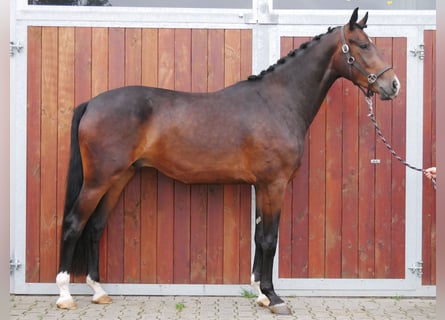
{"points": [[418, 52], [14, 47], [416, 268], [14, 265]]}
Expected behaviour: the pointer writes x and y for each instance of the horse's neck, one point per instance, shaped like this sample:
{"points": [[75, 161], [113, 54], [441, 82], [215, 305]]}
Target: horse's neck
{"points": [[310, 77]]}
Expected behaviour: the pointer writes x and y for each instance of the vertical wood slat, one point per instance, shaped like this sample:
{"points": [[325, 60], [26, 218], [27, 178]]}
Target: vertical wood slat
{"points": [[182, 212], [33, 174], [65, 108], [429, 160], [131, 193], [350, 181], [165, 219], [116, 79], [215, 215], [232, 63], [334, 151], [285, 232], [398, 138], [383, 177], [48, 145], [99, 83], [149, 176]]}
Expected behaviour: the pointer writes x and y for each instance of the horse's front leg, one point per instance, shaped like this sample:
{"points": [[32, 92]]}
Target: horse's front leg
{"points": [[268, 210]]}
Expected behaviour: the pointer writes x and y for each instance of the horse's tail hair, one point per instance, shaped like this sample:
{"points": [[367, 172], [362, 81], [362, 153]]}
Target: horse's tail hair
{"points": [[73, 187]]}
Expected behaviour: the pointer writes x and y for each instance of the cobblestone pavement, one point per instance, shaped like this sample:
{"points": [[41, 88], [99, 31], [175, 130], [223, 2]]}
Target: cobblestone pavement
{"points": [[212, 308]]}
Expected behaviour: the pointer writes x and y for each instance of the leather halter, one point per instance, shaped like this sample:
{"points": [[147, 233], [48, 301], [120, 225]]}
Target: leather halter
{"points": [[372, 77]]}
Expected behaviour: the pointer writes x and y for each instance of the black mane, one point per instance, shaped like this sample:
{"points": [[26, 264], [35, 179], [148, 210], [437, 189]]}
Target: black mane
{"points": [[291, 54]]}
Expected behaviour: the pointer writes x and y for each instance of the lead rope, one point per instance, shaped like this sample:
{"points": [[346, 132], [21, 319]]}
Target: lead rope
{"points": [[371, 116]]}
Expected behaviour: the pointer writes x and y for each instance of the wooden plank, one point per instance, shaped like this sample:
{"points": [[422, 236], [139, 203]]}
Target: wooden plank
{"points": [[349, 224], [215, 76], [245, 239], [99, 83], [215, 234], [199, 57], [366, 193], [65, 97], [198, 234], [48, 221], [165, 234], [182, 62], [132, 192], [433, 151], [33, 173], [149, 176], [246, 54], [317, 196], [232, 58], [285, 236], [181, 254], [149, 223], [215, 214], [383, 192], [149, 57], [166, 44], [398, 138], [231, 234], [82, 64], [300, 218], [334, 114], [115, 246]]}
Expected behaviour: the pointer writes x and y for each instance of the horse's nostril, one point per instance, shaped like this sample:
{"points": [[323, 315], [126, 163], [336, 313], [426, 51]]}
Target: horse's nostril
{"points": [[395, 84]]}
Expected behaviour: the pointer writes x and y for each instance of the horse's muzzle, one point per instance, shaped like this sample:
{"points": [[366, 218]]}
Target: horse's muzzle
{"points": [[388, 89]]}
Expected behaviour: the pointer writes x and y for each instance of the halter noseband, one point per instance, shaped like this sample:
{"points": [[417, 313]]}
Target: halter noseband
{"points": [[351, 61]]}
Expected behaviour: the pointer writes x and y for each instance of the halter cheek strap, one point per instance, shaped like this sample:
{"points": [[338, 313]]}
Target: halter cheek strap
{"points": [[352, 62]]}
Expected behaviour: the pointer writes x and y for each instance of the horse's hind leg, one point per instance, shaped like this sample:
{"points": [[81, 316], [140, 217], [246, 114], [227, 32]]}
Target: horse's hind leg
{"points": [[73, 226], [95, 227]]}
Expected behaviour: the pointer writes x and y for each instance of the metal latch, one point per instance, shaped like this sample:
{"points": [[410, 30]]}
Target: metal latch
{"points": [[416, 268], [14, 265], [418, 52], [14, 47]]}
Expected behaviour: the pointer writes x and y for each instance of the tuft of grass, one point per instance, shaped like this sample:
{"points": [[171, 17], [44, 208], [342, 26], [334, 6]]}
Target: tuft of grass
{"points": [[247, 294], [179, 306]]}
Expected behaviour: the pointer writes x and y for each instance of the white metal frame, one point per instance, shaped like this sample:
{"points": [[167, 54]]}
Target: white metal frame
{"points": [[268, 26]]}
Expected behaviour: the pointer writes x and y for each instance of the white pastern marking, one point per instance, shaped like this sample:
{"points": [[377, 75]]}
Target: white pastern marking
{"points": [[97, 288], [63, 281]]}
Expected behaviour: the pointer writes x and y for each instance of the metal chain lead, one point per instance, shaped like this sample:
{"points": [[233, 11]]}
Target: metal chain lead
{"points": [[371, 116]]}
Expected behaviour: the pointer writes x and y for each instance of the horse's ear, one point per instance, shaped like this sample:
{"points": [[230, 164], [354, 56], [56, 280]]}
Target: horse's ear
{"points": [[362, 23], [353, 19]]}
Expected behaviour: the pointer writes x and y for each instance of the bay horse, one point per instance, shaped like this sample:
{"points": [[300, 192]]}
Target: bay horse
{"points": [[251, 132]]}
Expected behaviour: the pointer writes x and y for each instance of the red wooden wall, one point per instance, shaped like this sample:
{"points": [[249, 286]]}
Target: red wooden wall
{"points": [[429, 159], [345, 217], [161, 231]]}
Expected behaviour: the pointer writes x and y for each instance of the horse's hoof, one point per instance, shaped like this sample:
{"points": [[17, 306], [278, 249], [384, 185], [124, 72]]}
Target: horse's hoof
{"points": [[280, 308], [103, 299], [262, 300], [68, 304]]}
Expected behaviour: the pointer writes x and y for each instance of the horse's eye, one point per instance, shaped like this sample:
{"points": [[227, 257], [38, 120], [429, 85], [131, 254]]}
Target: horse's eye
{"points": [[364, 46]]}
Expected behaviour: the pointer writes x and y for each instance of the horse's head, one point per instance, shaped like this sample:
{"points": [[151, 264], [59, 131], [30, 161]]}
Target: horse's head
{"points": [[359, 60]]}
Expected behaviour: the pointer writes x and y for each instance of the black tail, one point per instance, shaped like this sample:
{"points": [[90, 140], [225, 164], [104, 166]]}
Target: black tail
{"points": [[74, 184]]}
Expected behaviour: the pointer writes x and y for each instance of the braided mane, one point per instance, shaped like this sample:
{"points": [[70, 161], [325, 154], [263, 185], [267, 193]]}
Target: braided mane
{"points": [[291, 54]]}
